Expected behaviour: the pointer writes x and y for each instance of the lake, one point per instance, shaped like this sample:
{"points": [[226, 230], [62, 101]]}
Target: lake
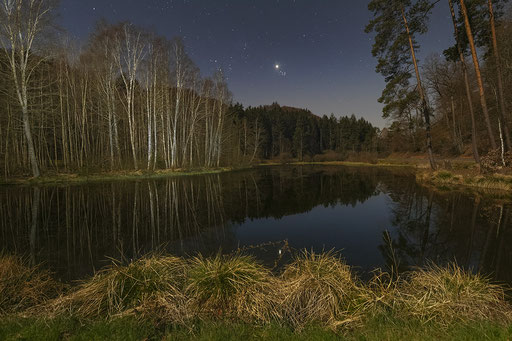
{"points": [[77, 229]]}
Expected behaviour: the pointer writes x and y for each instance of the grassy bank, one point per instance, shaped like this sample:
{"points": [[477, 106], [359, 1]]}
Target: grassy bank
{"points": [[316, 296], [379, 163], [69, 178], [77, 178], [450, 179]]}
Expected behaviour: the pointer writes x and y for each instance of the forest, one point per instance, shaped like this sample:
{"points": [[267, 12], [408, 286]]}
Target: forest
{"points": [[454, 104], [286, 133], [133, 100]]}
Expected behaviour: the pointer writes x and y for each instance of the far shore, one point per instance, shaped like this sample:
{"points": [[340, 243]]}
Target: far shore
{"points": [[455, 173], [64, 178]]}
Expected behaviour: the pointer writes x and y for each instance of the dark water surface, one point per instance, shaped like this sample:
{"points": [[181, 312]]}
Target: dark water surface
{"points": [[77, 229]]}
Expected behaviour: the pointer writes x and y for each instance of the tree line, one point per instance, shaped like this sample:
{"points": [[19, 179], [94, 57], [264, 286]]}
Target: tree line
{"points": [[128, 99], [451, 105], [274, 131]]}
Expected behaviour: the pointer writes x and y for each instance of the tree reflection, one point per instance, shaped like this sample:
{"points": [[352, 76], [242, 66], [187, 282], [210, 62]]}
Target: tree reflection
{"points": [[77, 229], [441, 227]]}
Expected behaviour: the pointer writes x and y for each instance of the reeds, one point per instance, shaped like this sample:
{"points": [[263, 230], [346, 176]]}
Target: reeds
{"points": [[314, 288]]}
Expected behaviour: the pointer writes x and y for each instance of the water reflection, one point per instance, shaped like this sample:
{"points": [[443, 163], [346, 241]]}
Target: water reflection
{"points": [[76, 229]]}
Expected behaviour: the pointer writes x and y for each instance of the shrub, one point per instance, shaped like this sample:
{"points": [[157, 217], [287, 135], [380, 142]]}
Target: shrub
{"points": [[493, 162], [365, 157], [329, 155]]}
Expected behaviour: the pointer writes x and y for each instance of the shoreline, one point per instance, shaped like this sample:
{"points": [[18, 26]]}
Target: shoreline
{"points": [[463, 178], [452, 180], [73, 178]]}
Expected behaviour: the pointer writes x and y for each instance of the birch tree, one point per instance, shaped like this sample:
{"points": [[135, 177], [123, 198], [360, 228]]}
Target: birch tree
{"points": [[21, 23], [130, 50]]}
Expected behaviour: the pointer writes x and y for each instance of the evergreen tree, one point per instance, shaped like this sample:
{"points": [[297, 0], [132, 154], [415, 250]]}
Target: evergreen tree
{"points": [[397, 24]]}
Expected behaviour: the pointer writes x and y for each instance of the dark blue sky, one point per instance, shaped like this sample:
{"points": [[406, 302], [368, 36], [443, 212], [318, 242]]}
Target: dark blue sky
{"points": [[324, 55]]}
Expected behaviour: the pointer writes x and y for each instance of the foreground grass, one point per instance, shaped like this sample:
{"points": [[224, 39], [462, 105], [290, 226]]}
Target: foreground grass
{"points": [[129, 328], [316, 296]]}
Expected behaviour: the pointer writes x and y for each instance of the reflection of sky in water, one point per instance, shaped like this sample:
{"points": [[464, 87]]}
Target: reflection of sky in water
{"points": [[356, 231]]}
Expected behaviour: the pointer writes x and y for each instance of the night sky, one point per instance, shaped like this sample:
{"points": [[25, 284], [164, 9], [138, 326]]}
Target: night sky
{"points": [[323, 53]]}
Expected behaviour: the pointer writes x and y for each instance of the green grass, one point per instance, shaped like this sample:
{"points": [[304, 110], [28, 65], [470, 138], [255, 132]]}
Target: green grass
{"points": [[69, 178], [129, 328], [74, 329]]}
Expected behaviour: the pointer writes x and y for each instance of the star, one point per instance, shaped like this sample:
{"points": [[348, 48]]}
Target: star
{"points": [[277, 66]]}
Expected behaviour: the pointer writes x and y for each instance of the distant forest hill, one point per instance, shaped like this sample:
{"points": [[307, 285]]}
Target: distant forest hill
{"points": [[283, 132]]}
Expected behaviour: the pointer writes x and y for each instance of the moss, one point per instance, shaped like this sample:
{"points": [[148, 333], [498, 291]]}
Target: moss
{"points": [[444, 175]]}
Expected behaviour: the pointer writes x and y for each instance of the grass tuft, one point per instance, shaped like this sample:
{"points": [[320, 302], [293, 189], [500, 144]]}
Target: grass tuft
{"points": [[149, 283], [23, 286], [319, 288], [450, 294], [231, 286]]}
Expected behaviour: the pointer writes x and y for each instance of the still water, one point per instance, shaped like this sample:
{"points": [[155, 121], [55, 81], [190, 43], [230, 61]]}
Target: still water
{"points": [[75, 230]]}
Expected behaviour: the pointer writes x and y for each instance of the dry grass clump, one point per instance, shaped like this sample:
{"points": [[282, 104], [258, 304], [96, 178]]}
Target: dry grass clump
{"points": [[313, 289], [22, 286], [319, 288], [450, 294], [231, 286], [498, 182], [145, 284], [378, 295]]}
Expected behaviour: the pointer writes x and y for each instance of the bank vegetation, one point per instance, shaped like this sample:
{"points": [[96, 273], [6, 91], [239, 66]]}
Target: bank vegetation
{"points": [[312, 290]]}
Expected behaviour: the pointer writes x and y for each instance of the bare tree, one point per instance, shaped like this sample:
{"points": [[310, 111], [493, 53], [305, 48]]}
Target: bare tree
{"points": [[129, 52], [21, 22]]}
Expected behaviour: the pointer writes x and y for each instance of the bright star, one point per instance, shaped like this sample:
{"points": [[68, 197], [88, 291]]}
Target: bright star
{"points": [[277, 66]]}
